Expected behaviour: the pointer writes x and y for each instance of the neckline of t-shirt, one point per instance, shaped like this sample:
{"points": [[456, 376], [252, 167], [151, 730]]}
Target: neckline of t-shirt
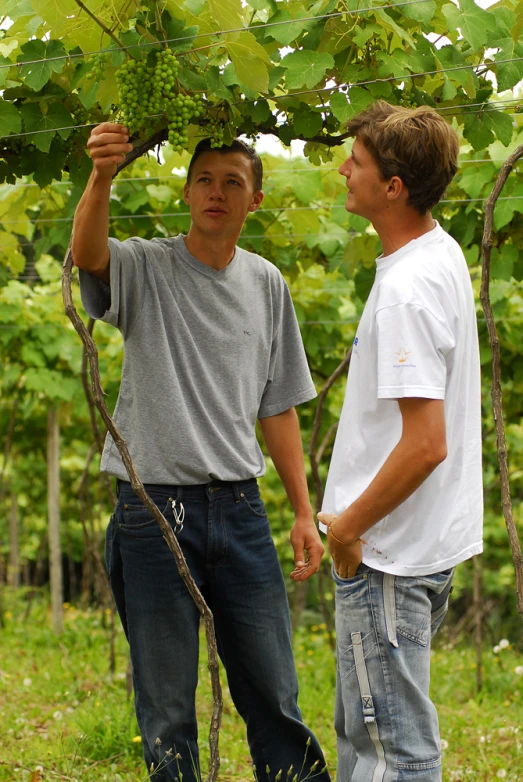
{"points": [[386, 261], [199, 266]]}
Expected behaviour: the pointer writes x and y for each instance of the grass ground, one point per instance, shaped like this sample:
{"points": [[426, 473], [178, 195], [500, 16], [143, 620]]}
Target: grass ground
{"points": [[64, 717]]}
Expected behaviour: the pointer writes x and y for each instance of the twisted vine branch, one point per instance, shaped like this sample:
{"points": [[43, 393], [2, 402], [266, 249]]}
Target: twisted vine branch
{"points": [[496, 391], [168, 534]]}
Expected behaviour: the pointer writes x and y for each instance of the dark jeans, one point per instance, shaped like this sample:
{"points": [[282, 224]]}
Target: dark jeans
{"points": [[227, 543]]}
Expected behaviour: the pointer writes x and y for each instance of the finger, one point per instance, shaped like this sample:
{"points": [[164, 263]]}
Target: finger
{"points": [[109, 127], [315, 554]]}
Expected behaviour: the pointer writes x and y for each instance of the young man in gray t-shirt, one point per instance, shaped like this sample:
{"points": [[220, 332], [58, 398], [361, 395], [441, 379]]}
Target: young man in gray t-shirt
{"points": [[211, 346]]}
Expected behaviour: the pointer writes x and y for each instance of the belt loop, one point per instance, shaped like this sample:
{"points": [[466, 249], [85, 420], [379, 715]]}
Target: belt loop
{"points": [[179, 493], [236, 491]]}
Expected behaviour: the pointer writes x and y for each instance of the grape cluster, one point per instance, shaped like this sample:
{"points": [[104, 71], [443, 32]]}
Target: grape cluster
{"points": [[97, 71], [216, 135], [149, 92]]}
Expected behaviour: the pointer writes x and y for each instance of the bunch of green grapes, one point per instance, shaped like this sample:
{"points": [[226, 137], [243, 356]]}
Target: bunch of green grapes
{"points": [[149, 91], [216, 133], [99, 61]]}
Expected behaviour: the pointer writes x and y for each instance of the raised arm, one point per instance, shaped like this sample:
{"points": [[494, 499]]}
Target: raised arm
{"points": [[283, 440], [108, 145]]}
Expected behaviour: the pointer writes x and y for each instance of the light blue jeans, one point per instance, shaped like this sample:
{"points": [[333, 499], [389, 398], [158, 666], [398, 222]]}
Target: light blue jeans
{"points": [[386, 724]]}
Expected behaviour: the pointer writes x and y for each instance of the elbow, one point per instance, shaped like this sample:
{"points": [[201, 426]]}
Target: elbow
{"points": [[432, 455]]}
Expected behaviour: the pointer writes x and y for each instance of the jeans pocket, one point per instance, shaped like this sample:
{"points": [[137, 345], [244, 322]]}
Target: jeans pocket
{"points": [[254, 503], [413, 609], [136, 518], [361, 574]]}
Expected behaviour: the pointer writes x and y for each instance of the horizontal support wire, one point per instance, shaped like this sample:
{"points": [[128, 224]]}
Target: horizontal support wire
{"points": [[266, 177], [260, 26], [280, 209]]}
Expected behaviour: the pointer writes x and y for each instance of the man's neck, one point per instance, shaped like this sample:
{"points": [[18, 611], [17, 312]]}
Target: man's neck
{"points": [[216, 252], [395, 231]]}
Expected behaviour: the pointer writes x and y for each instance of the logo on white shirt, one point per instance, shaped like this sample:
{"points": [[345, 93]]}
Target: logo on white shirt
{"points": [[403, 357]]}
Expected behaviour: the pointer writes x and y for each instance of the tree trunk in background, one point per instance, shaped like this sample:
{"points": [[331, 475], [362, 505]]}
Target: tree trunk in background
{"points": [[53, 507], [13, 567]]}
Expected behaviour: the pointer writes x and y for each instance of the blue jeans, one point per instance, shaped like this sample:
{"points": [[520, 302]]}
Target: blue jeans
{"points": [[386, 724], [229, 550]]}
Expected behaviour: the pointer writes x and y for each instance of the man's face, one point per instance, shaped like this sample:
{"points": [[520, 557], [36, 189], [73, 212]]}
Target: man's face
{"points": [[221, 193], [367, 190]]}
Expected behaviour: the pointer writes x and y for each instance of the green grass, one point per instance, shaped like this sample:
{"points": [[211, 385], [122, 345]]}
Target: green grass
{"points": [[63, 712]]}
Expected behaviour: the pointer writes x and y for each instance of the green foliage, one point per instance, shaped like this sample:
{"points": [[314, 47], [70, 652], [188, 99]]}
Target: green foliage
{"points": [[338, 60]]}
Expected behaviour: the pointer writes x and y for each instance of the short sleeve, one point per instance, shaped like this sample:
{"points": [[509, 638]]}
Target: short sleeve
{"points": [[414, 352], [120, 303], [289, 381]]}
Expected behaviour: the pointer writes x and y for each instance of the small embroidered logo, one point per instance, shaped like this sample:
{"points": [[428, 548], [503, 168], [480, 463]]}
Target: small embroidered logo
{"points": [[402, 355]]}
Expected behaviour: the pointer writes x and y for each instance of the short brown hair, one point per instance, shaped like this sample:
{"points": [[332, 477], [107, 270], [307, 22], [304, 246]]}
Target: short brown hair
{"points": [[235, 146], [417, 145]]}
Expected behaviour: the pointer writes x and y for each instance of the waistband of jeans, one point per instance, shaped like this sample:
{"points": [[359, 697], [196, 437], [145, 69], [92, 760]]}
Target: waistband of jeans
{"points": [[214, 488]]}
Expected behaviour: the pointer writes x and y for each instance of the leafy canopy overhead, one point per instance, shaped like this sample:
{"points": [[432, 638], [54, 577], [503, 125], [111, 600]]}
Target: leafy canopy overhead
{"points": [[294, 69]]}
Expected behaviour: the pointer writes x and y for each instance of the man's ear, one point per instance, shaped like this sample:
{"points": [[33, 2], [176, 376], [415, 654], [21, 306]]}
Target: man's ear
{"points": [[186, 193], [256, 201], [396, 189]]}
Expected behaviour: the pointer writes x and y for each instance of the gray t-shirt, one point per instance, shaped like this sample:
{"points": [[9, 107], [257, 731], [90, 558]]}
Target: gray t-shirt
{"points": [[206, 353]]}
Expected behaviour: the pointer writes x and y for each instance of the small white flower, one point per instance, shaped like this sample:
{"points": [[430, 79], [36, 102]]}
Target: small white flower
{"points": [[497, 649], [58, 715], [518, 670], [27, 682], [482, 739], [503, 644], [501, 773], [444, 744]]}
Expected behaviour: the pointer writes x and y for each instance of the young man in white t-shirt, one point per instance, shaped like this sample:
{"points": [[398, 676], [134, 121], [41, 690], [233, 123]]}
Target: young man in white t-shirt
{"points": [[403, 501]]}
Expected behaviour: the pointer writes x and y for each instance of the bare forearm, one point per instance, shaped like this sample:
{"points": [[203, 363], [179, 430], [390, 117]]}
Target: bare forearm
{"points": [[402, 473], [283, 440], [421, 448], [91, 226]]}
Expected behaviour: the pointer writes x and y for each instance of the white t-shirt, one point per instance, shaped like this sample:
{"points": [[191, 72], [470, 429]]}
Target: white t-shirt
{"points": [[417, 338]]}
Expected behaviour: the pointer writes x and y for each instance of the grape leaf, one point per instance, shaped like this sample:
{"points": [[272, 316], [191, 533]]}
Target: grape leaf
{"points": [[340, 107], [250, 60], [307, 123], [54, 115], [10, 120], [285, 33], [37, 74], [476, 25], [306, 68], [227, 13]]}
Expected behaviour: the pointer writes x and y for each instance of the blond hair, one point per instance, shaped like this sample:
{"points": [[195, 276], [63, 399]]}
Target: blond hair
{"points": [[416, 145]]}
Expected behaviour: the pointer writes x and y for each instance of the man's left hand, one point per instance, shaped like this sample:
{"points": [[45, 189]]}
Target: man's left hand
{"points": [[308, 549]]}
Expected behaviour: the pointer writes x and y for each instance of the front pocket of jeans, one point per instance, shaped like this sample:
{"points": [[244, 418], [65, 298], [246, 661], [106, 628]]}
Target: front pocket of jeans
{"points": [[255, 505], [135, 517]]}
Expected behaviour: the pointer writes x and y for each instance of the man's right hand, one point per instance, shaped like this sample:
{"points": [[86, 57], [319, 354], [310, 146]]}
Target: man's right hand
{"points": [[108, 145]]}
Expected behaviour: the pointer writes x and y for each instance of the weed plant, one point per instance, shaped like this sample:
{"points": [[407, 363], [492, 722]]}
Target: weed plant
{"points": [[63, 715]]}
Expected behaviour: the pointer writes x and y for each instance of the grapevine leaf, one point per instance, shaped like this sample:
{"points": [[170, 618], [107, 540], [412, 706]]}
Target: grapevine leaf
{"points": [[474, 179], [389, 23], [10, 121], [49, 166], [191, 80], [195, 6], [227, 13], [3, 71], [260, 111], [307, 123], [58, 14], [275, 75], [306, 68], [477, 130], [53, 116], [476, 25], [250, 59], [340, 107], [502, 126], [420, 12], [359, 99], [37, 74], [285, 33], [509, 73]]}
